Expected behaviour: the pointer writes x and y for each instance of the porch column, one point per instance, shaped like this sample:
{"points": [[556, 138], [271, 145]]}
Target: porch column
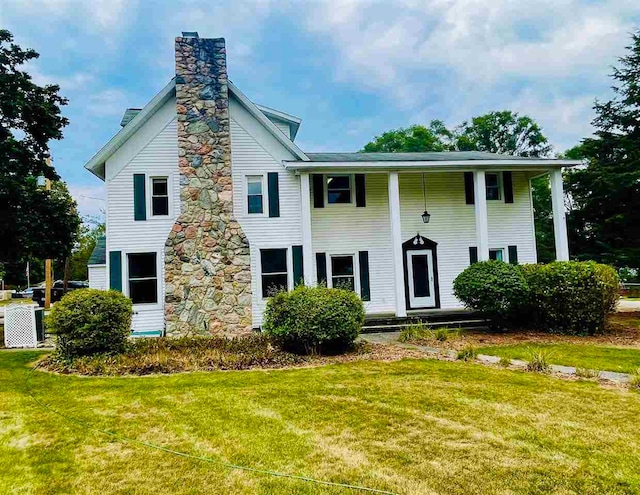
{"points": [[396, 243], [482, 225], [307, 248], [559, 216]]}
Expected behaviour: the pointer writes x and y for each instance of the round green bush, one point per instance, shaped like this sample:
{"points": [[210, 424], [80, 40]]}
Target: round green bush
{"points": [[314, 319], [495, 289], [572, 297], [90, 321]]}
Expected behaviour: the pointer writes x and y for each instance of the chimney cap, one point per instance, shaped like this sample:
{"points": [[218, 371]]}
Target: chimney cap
{"points": [[190, 34]]}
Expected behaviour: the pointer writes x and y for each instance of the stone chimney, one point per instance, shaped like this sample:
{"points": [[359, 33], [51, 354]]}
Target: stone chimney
{"points": [[207, 261]]}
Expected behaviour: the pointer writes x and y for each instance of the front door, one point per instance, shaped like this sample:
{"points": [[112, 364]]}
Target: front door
{"points": [[421, 279]]}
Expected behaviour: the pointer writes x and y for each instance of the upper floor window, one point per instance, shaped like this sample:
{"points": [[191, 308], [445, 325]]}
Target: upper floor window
{"points": [[338, 189], [255, 195], [493, 186], [143, 278], [496, 254], [159, 196], [274, 271]]}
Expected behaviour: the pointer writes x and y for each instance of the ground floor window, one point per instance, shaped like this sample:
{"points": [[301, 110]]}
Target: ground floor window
{"points": [[496, 254], [343, 272], [143, 277], [275, 275]]}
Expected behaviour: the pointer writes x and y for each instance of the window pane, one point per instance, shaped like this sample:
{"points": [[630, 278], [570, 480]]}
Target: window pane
{"points": [[492, 180], [347, 283], [341, 265], [255, 204], [420, 268], [254, 187], [143, 291], [274, 260], [493, 193], [160, 205], [339, 197], [159, 187], [495, 254], [273, 283], [142, 265], [338, 182]]}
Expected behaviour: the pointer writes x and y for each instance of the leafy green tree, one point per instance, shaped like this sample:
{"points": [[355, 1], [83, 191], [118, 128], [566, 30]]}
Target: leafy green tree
{"points": [[412, 139], [35, 222], [605, 195], [89, 234], [503, 132]]}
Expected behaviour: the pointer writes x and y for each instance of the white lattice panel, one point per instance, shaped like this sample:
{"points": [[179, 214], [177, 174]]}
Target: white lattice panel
{"points": [[20, 326]]}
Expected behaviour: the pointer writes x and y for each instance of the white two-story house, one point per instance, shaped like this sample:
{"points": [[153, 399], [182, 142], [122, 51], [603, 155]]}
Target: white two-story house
{"points": [[211, 206]]}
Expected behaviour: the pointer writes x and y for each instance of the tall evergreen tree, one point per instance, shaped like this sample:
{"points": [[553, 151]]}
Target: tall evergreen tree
{"points": [[605, 195]]}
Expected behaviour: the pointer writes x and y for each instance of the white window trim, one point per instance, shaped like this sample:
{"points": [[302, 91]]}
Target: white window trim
{"points": [[351, 190], [504, 253], [500, 186], [289, 269], [356, 270], [159, 277], [149, 195], [265, 199]]}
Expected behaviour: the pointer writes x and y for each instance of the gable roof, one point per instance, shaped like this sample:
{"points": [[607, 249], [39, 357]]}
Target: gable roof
{"points": [[273, 114], [99, 253], [97, 162]]}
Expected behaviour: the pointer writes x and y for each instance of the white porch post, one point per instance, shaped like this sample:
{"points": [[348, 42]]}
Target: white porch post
{"points": [[559, 216], [396, 243], [307, 248], [482, 224]]}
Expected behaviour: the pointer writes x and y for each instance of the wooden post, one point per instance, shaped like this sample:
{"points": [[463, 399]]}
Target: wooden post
{"points": [[47, 262]]}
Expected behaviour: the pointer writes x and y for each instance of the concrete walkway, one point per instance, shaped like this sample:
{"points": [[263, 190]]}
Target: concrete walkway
{"points": [[392, 338], [627, 306]]}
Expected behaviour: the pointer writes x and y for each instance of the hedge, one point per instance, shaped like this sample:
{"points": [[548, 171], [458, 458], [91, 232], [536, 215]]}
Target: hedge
{"points": [[314, 320]]}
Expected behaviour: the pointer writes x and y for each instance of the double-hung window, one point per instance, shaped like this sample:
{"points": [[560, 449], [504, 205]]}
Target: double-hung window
{"points": [[143, 278], [496, 254], [493, 186], [255, 195], [159, 196], [275, 276], [338, 189], [343, 272]]}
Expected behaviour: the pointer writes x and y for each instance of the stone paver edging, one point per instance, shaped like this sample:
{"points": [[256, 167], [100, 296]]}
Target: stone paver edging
{"points": [[392, 338]]}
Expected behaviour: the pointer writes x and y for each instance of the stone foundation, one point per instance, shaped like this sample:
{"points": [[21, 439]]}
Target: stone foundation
{"points": [[207, 260]]}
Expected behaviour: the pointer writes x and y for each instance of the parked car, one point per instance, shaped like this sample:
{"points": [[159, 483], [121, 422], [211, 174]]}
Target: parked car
{"points": [[26, 293], [57, 291]]}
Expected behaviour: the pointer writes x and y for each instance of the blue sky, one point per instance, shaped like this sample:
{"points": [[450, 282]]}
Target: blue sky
{"points": [[350, 69]]}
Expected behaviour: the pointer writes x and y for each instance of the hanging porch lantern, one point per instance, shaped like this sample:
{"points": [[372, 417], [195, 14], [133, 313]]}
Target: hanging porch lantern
{"points": [[426, 216]]}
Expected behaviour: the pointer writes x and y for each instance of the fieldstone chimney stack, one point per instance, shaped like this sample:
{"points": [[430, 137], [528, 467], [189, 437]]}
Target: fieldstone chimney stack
{"points": [[207, 261]]}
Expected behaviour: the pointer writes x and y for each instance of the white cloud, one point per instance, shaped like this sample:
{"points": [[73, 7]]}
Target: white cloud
{"points": [[107, 102]]}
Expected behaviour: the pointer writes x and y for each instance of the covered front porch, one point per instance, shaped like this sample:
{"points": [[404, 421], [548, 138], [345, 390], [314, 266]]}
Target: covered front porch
{"points": [[417, 220]]}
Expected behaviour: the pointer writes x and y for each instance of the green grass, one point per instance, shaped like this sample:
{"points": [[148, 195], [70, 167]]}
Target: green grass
{"points": [[412, 426], [594, 357], [16, 301]]}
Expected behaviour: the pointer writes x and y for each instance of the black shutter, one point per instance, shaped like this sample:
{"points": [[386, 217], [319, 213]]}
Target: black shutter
{"points": [[274, 195], [473, 255], [298, 266], [115, 270], [513, 254], [361, 195], [321, 268], [507, 179], [365, 290], [468, 188], [139, 197], [318, 191]]}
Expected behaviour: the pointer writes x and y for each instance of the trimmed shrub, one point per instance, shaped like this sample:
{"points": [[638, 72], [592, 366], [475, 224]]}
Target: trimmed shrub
{"points": [[90, 321], [495, 289], [312, 320], [571, 297]]}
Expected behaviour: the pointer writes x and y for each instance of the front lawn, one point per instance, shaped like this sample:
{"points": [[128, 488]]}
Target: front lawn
{"points": [[625, 360], [411, 427]]}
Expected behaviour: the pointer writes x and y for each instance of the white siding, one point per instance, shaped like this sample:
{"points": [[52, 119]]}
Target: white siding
{"points": [[347, 229], [452, 223], [98, 277], [283, 126], [256, 152], [153, 151]]}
